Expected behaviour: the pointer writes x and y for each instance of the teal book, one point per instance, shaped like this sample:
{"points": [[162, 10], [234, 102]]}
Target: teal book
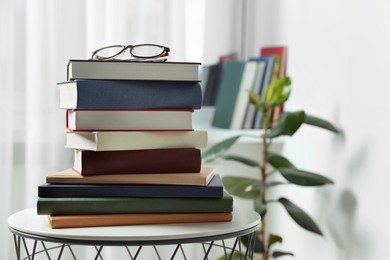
{"points": [[106, 205], [228, 92]]}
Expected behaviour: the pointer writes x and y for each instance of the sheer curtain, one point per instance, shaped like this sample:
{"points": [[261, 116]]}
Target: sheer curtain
{"points": [[37, 40]]}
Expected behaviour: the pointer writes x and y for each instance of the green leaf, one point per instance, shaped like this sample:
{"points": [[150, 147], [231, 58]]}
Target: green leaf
{"points": [[219, 149], [299, 216], [259, 248], [277, 91], [273, 238], [260, 185], [243, 160], [276, 254], [260, 206], [281, 92], [237, 185], [288, 124], [304, 178], [254, 98], [315, 121], [278, 161]]}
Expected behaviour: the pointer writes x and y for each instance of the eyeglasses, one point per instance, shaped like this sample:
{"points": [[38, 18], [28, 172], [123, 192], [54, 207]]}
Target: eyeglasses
{"points": [[139, 52]]}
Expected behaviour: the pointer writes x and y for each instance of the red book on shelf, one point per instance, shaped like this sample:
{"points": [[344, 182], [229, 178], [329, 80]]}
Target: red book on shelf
{"points": [[180, 160], [281, 52]]}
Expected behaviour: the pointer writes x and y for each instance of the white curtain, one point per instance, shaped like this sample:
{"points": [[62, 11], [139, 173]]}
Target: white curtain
{"points": [[37, 39]]}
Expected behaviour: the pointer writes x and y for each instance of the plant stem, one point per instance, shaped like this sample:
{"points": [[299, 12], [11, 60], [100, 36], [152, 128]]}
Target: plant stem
{"points": [[266, 124]]}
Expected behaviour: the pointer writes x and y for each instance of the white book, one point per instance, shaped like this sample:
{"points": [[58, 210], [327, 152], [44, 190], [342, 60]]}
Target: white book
{"points": [[247, 81], [129, 120], [130, 70], [250, 109], [135, 140]]}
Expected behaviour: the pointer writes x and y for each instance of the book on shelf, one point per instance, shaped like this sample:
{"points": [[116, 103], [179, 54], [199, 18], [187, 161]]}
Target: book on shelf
{"points": [[256, 121], [233, 56], [280, 70], [214, 189], [117, 120], [75, 221], [211, 87], [135, 140], [251, 111], [129, 94], [130, 70], [204, 72], [109, 205], [247, 81], [278, 51], [179, 160], [70, 176], [228, 91]]}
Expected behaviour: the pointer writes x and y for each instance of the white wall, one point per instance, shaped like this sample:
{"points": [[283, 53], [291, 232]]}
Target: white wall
{"points": [[338, 60]]}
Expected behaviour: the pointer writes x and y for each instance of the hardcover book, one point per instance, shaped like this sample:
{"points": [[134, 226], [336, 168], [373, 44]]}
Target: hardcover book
{"points": [[251, 111], [211, 87], [228, 91], [242, 100], [180, 160], [130, 94], [107, 205], [255, 121], [135, 140], [73, 221], [130, 70], [69, 176], [117, 120], [213, 190], [280, 70]]}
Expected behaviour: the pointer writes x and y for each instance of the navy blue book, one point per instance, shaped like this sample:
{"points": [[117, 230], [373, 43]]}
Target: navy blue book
{"points": [[130, 94], [213, 190]]}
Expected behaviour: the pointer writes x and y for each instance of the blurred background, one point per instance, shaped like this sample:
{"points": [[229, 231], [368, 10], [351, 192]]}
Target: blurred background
{"points": [[338, 60]]}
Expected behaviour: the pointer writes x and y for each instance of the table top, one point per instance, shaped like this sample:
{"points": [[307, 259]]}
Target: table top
{"points": [[28, 223]]}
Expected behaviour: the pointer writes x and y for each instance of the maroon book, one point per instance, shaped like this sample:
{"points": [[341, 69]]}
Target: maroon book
{"points": [[180, 160]]}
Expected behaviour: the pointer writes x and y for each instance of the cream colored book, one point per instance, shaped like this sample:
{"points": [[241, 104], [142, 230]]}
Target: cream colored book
{"points": [[122, 120], [135, 140], [69, 176]]}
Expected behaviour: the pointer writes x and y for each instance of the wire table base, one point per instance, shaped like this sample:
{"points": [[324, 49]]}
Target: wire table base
{"points": [[34, 239], [29, 248]]}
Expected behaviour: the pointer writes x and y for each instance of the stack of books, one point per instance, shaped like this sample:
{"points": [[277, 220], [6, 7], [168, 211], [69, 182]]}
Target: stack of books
{"points": [[137, 158]]}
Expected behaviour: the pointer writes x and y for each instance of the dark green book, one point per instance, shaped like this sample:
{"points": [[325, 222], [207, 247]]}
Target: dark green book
{"points": [[105, 205]]}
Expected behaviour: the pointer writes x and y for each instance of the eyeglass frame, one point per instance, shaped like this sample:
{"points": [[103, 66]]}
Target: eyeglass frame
{"points": [[164, 53]]}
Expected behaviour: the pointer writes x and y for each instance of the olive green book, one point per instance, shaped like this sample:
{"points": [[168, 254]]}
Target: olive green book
{"points": [[106, 205]]}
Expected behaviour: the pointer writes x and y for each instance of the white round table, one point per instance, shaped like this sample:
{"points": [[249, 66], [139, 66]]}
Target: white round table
{"points": [[27, 225]]}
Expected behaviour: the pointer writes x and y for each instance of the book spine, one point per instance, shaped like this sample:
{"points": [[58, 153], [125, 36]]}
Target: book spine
{"points": [[140, 161], [102, 205], [119, 94], [140, 191], [227, 95], [135, 219], [128, 120], [213, 190]]}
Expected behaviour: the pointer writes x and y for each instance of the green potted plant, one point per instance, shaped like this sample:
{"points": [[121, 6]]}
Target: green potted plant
{"points": [[276, 94]]}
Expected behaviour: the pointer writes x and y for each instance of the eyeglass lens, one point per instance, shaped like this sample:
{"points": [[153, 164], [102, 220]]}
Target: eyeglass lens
{"points": [[145, 51], [111, 52]]}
